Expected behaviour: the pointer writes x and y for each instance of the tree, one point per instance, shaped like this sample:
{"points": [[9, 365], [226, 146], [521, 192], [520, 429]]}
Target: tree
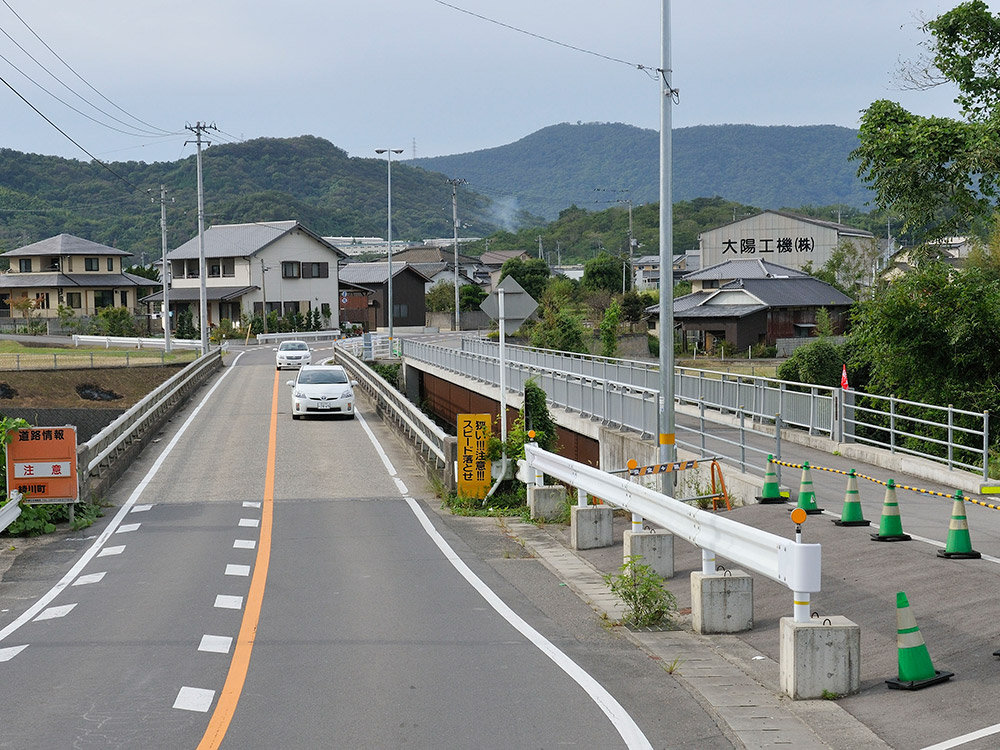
{"points": [[937, 172], [441, 297], [531, 274], [609, 329], [603, 272], [470, 297]]}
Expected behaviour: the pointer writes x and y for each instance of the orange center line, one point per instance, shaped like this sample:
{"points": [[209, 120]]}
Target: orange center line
{"points": [[240, 665]]}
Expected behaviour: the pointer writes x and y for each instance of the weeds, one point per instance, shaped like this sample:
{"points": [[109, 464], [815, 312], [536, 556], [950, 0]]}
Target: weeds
{"points": [[647, 601]]}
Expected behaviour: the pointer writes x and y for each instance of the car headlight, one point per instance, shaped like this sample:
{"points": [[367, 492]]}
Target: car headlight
{"points": [[347, 394], [298, 394]]}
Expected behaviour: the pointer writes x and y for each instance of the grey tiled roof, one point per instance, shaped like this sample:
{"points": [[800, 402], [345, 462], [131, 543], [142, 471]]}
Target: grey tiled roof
{"points": [[65, 244], [719, 311], [797, 292], [48, 280], [743, 269], [241, 240], [374, 273], [191, 294]]}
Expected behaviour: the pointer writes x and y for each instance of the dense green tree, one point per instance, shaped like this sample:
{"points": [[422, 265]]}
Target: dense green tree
{"points": [[603, 272], [531, 274], [470, 297], [609, 329], [441, 297]]}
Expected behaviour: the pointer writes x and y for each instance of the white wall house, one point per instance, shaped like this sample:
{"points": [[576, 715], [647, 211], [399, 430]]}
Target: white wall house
{"points": [[278, 266], [778, 237]]}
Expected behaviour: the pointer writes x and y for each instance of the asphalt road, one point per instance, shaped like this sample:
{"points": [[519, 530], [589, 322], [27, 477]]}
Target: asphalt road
{"points": [[299, 587]]}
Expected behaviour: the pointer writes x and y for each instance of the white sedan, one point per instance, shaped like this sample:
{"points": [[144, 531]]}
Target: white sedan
{"points": [[292, 354], [322, 389]]}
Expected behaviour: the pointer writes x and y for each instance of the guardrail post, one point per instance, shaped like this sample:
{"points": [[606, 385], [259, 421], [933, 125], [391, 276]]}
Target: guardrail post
{"points": [[777, 446], [743, 441], [892, 424], [951, 436], [986, 446]]}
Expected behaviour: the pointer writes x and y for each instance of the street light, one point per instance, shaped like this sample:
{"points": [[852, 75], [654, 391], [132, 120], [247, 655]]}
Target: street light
{"points": [[454, 219], [388, 155]]}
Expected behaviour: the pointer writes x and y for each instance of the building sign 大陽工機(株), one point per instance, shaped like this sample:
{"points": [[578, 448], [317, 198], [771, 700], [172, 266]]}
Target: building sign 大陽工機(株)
{"points": [[768, 245]]}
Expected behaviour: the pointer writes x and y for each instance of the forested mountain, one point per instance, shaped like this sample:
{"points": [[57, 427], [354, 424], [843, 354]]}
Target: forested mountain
{"points": [[304, 178], [592, 163]]}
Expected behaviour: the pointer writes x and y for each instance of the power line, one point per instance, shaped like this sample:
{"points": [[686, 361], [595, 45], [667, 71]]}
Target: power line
{"points": [[73, 71], [646, 68]]}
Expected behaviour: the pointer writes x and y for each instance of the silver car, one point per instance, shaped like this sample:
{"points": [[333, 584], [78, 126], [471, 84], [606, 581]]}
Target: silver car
{"points": [[322, 389], [292, 354]]}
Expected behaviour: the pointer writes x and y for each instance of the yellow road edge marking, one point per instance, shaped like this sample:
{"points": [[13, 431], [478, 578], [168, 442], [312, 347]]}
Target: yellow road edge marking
{"points": [[240, 664]]}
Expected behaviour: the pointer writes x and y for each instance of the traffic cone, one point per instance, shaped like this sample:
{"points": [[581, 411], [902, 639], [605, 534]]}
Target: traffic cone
{"points": [[959, 544], [851, 514], [915, 668], [771, 492], [807, 497], [890, 528]]}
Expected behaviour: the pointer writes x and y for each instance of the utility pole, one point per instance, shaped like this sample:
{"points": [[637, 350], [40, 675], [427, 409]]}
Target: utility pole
{"points": [[163, 270], [454, 220], [263, 292], [199, 129], [667, 426], [540, 257]]}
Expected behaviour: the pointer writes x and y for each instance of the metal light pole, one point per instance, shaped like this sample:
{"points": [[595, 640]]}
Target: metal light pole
{"points": [[666, 420], [388, 154], [454, 218]]}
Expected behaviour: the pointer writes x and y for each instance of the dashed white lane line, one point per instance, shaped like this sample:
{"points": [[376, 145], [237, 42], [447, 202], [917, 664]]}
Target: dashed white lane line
{"points": [[194, 699], [89, 578], [140, 508], [400, 486], [111, 551], [250, 523], [250, 504], [6, 654], [238, 570], [225, 601], [127, 527], [245, 544], [51, 613], [215, 644]]}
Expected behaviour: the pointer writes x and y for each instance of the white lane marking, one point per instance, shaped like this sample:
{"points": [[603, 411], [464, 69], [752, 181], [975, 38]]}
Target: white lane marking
{"points": [[6, 654], [127, 527], [215, 644], [619, 717], [238, 570], [111, 551], [89, 578], [194, 699], [250, 504], [87, 556], [225, 601], [245, 544], [140, 508], [971, 736], [400, 486], [55, 612], [378, 448], [250, 523]]}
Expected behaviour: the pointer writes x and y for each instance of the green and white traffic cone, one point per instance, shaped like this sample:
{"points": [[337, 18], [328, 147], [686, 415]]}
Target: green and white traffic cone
{"points": [[807, 497], [959, 544], [915, 668], [890, 528], [851, 514], [770, 493]]}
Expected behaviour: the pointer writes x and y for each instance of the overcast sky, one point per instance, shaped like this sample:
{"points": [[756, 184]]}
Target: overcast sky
{"points": [[418, 75]]}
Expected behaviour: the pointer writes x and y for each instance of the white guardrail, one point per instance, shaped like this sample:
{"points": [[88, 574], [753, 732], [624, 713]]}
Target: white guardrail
{"points": [[134, 342], [273, 338], [10, 512], [791, 563]]}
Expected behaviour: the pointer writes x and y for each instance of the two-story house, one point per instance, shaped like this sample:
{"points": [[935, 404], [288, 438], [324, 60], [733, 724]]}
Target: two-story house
{"points": [[271, 266], [81, 275]]}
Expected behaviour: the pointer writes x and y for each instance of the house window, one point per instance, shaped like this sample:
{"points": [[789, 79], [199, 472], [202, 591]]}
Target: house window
{"points": [[91, 264], [69, 264], [25, 265], [290, 269], [42, 301], [123, 294], [228, 267], [215, 269], [401, 310], [74, 300], [104, 298], [315, 270], [111, 264]]}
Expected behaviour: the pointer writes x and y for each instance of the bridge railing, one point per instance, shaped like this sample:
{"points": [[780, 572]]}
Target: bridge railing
{"points": [[273, 338], [791, 563], [134, 342]]}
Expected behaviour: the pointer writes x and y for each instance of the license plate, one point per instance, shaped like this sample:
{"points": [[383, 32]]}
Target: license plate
{"points": [[324, 405]]}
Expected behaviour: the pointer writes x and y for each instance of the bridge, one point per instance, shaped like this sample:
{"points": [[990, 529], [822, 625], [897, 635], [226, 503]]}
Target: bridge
{"points": [[347, 581]]}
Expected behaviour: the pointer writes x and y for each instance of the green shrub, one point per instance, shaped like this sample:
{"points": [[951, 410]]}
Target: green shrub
{"points": [[647, 601]]}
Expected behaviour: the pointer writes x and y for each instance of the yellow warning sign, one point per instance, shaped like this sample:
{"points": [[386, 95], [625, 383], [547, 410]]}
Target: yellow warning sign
{"points": [[473, 464]]}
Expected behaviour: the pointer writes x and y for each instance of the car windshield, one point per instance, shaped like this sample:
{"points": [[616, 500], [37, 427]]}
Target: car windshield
{"points": [[293, 346], [323, 376]]}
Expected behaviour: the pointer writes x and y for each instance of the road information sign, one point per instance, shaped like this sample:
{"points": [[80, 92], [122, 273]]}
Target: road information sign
{"points": [[474, 472], [41, 464]]}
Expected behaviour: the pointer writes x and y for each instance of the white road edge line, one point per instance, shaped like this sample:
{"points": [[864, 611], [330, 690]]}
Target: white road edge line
{"points": [[619, 717], [978, 735], [92, 551]]}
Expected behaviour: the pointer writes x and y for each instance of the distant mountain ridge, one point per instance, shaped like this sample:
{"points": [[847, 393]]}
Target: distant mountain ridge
{"points": [[593, 163]]}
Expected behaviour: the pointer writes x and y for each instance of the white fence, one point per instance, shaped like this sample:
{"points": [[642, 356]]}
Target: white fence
{"points": [[274, 338], [135, 342], [791, 563]]}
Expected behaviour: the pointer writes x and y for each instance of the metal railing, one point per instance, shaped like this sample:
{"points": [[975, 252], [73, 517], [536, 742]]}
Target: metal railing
{"points": [[21, 361], [134, 342], [272, 338], [790, 563]]}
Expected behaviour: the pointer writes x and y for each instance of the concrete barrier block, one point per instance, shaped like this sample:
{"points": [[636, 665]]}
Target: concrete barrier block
{"points": [[590, 527], [546, 502], [819, 658], [655, 547], [721, 602]]}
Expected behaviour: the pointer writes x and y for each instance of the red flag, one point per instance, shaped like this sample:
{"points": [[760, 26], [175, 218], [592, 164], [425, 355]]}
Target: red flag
{"points": [[843, 379]]}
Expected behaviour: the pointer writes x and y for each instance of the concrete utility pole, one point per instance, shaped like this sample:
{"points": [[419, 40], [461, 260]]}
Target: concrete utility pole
{"points": [[163, 270], [540, 257], [198, 129], [388, 154], [263, 293], [454, 219], [667, 428]]}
